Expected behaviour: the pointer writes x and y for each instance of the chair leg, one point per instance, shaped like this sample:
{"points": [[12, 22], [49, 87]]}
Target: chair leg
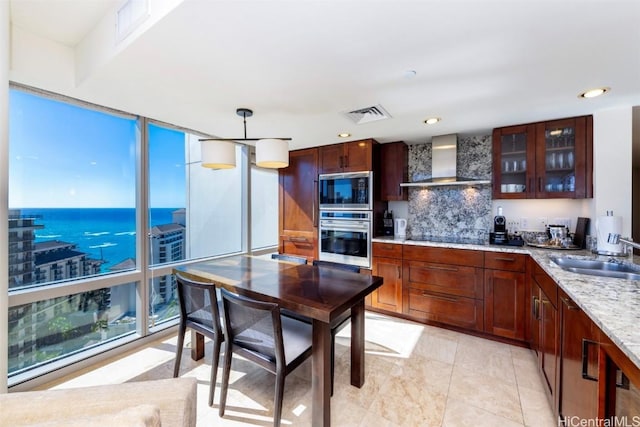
{"points": [[214, 368], [225, 378], [277, 408], [182, 329]]}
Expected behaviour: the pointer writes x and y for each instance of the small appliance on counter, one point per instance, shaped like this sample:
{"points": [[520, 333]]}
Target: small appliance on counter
{"points": [[400, 229], [387, 223], [500, 234]]}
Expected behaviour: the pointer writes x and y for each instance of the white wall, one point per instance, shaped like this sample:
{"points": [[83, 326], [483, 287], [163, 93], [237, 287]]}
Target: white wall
{"points": [[4, 191], [612, 172], [530, 213]]}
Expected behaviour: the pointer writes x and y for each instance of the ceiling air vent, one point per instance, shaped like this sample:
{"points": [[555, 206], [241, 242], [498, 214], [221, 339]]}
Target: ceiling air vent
{"points": [[368, 114]]}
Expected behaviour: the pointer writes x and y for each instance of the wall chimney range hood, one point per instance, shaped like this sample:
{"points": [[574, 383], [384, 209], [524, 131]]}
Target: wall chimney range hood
{"points": [[443, 165]]}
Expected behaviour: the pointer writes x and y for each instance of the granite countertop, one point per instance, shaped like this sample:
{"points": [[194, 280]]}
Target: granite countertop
{"points": [[612, 304]]}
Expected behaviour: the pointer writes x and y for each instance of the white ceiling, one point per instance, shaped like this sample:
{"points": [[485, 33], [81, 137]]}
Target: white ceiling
{"points": [[300, 64]]}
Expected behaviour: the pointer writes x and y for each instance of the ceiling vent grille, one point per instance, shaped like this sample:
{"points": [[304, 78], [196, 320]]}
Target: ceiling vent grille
{"points": [[368, 114]]}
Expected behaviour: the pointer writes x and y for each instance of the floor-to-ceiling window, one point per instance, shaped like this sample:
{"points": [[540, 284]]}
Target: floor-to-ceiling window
{"points": [[264, 208], [72, 187], [194, 212], [88, 267]]}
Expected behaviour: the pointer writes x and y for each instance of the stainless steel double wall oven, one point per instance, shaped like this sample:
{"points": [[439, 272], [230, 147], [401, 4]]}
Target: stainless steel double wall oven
{"points": [[346, 218]]}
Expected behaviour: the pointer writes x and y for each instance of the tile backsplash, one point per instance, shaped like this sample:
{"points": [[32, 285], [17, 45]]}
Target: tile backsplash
{"points": [[452, 211]]}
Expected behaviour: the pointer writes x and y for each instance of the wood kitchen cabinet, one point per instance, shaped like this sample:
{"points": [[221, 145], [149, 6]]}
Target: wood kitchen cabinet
{"points": [[504, 294], [619, 385], [394, 170], [387, 263], [579, 351], [552, 159], [354, 156], [298, 199], [444, 285], [544, 325]]}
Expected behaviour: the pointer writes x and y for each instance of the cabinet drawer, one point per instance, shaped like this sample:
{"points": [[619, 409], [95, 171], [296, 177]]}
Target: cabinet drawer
{"points": [[387, 250], [448, 309], [445, 278], [444, 255], [298, 246], [505, 261]]}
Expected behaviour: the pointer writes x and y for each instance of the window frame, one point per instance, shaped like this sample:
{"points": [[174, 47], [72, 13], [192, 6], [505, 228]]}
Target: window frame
{"points": [[141, 275]]}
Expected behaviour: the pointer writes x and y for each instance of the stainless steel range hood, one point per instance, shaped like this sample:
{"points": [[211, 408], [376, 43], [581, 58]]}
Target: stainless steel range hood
{"points": [[443, 165]]}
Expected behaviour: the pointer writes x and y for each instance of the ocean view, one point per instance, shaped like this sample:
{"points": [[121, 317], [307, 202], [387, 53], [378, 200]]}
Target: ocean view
{"points": [[103, 233]]}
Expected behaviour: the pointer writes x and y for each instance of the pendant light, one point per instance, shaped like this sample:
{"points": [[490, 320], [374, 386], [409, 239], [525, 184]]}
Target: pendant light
{"points": [[270, 152], [218, 154]]}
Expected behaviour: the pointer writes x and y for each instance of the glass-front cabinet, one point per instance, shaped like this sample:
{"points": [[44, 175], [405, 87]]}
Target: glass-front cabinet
{"points": [[514, 162], [550, 159]]}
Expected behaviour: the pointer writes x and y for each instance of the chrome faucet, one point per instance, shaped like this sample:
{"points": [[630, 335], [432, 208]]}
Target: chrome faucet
{"points": [[614, 239]]}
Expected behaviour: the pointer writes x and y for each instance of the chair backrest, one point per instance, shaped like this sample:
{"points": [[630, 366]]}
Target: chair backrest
{"points": [[290, 258], [198, 304], [254, 326], [336, 265]]}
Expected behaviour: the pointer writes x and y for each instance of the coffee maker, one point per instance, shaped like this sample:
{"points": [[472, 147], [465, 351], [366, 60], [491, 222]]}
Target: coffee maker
{"points": [[500, 235]]}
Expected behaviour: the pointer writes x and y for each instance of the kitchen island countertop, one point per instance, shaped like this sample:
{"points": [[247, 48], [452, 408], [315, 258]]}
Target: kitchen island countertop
{"points": [[612, 304]]}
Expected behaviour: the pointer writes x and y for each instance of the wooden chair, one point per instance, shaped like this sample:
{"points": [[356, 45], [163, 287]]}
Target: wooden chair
{"points": [[341, 321], [200, 310], [290, 258], [256, 331]]}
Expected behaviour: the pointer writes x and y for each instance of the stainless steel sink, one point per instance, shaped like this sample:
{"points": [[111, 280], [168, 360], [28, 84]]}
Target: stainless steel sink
{"points": [[596, 267]]}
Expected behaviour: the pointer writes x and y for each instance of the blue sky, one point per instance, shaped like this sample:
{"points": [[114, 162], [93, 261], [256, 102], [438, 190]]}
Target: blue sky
{"points": [[61, 155]]}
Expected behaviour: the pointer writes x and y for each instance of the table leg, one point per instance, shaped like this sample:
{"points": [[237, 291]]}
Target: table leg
{"points": [[321, 374], [197, 345], [357, 344]]}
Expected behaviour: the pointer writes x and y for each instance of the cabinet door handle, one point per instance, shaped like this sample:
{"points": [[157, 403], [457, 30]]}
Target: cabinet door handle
{"points": [[535, 308], [437, 296], [399, 272], [540, 184], [506, 259], [585, 360], [341, 161], [531, 184], [623, 382], [569, 304], [435, 267], [298, 239]]}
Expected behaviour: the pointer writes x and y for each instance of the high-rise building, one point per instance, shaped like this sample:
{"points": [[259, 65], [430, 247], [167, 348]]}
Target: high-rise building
{"points": [[21, 245]]}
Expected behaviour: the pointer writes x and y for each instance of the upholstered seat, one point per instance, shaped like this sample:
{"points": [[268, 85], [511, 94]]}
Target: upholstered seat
{"points": [[256, 331]]}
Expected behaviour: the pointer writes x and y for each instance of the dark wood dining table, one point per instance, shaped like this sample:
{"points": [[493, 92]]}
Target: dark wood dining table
{"points": [[320, 293]]}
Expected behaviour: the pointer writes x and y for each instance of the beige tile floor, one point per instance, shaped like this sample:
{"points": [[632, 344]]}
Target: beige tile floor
{"points": [[416, 375]]}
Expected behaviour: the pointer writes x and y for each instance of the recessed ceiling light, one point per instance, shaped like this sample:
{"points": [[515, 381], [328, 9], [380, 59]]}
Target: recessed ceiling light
{"points": [[409, 74], [344, 135], [592, 93], [432, 120]]}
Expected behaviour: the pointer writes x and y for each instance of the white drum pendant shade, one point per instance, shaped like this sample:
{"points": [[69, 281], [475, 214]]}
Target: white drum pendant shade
{"points": [[218, 154], [272, 153]]}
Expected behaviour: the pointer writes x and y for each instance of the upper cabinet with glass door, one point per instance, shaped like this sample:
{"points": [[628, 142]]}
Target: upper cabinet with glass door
{"points": [[551, 159], [514, 162]]}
